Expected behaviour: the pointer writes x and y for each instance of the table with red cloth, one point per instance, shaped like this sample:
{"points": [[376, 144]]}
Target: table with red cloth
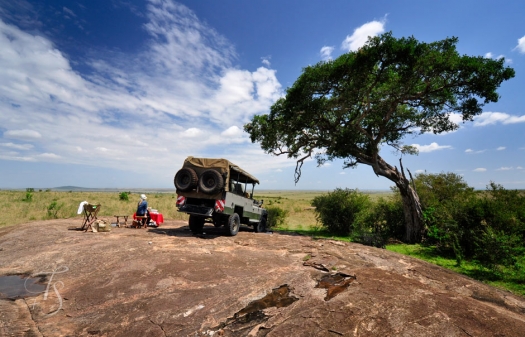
{"points": [[155, 216]]}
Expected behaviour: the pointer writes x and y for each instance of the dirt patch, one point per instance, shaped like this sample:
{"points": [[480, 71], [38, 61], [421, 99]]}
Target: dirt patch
{"points": [[166, 282]]}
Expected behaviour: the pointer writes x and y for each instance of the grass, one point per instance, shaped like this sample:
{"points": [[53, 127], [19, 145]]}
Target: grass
{"points": [[511, 279], [17, 208]]}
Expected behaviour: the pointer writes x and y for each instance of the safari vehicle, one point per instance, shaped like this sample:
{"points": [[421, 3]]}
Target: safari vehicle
{"points": [[216, 191]]}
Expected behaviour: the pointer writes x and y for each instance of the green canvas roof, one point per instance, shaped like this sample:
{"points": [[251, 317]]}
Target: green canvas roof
{"points": [[224, 165]]}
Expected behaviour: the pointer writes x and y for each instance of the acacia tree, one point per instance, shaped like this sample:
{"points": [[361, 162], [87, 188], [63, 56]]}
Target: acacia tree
{"points": [[354, 105]]}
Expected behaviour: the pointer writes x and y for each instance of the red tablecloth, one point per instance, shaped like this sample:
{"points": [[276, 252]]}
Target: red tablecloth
{"points": [[157, 217]]}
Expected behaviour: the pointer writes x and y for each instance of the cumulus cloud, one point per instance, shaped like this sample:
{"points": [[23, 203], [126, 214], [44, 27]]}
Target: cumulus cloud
{"points": [[431, 147], [501, 148], [480, 169], [490, 118], [360, 35], [521, 45], [326, 53], [176, 97], [504, 168]]}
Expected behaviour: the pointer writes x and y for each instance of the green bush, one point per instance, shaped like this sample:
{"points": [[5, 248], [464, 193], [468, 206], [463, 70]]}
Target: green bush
{"points": [[124, 196], [276, 217], [485, 227], [53, 208], [342, 210], [383, 220], [28, 197]]}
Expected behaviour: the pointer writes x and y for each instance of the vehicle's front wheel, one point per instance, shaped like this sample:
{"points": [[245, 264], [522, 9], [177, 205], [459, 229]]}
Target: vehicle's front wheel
{"points": [[234, 222], [260, 227], [196, 224]]}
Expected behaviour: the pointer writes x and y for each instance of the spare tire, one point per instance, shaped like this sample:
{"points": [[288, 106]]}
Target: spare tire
{"points": [[186, 179], [211, 182]]}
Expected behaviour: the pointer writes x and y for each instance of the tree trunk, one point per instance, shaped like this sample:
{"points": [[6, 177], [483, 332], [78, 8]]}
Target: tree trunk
{"points": [[411, 205], [412, 209]]}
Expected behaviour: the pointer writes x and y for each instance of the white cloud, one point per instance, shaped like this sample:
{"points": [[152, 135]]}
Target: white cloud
{"points": [[360, 35], [343, 172], [489, 55], [175, 97], [503, 168], [326, 53], [69, 11], [480, 169], [455, 117], [501, 148], [192, 132], [474, 152], [521, 45], [17, 146], [489, 118], [48, 156], [431, 147], [519, 168], [232, 131], [23, 134], [420, 171], [266, 61]]}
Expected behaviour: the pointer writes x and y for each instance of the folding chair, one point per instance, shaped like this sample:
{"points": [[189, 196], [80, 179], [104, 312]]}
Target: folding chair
{"points": [[90, 215]]}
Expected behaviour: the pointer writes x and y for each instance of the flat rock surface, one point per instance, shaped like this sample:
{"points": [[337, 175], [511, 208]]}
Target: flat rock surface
{"points": [[166, 282]]}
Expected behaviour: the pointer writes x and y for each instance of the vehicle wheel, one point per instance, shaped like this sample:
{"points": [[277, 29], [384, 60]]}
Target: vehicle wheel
{"points": [[234, 222], [196, 224], [185, 179], [261, 226], [211, 182]]}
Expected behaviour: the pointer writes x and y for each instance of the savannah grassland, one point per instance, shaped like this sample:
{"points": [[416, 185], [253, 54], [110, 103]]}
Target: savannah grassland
{"points": [[19, 207]]}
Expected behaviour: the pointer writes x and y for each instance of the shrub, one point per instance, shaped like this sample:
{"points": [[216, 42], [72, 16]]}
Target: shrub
{"points": [[53, 208], [276, 217], [342, 210], [28, 197], [382, 221], [124, 196]]}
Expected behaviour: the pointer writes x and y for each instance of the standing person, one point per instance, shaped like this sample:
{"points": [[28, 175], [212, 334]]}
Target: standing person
{"points": [[142, 209]]}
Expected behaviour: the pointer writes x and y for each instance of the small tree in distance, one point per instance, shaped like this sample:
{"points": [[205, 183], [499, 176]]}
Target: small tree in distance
{"points": [[352, 106]]}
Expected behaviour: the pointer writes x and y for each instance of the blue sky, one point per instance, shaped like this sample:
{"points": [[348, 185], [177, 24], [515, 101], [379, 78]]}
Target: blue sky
{"points": [[115, 94]]}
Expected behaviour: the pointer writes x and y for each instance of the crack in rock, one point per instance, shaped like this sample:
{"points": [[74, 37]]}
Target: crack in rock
{"points": [[252, 315]]}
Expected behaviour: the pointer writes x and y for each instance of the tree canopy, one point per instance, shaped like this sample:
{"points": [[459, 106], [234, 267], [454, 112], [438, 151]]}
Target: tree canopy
{"points": [[351, 106]]}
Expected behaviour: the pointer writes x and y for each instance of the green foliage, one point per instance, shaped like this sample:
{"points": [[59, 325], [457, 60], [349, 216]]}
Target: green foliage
{"points": [[28, 197], [342, 210], [488, 228], [53, 208], [30, 190], [276, 217], [408, 86], [124, 196]]}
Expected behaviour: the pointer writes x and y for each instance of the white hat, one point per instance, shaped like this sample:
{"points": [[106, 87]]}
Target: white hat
{"points": [[143, 196]]}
